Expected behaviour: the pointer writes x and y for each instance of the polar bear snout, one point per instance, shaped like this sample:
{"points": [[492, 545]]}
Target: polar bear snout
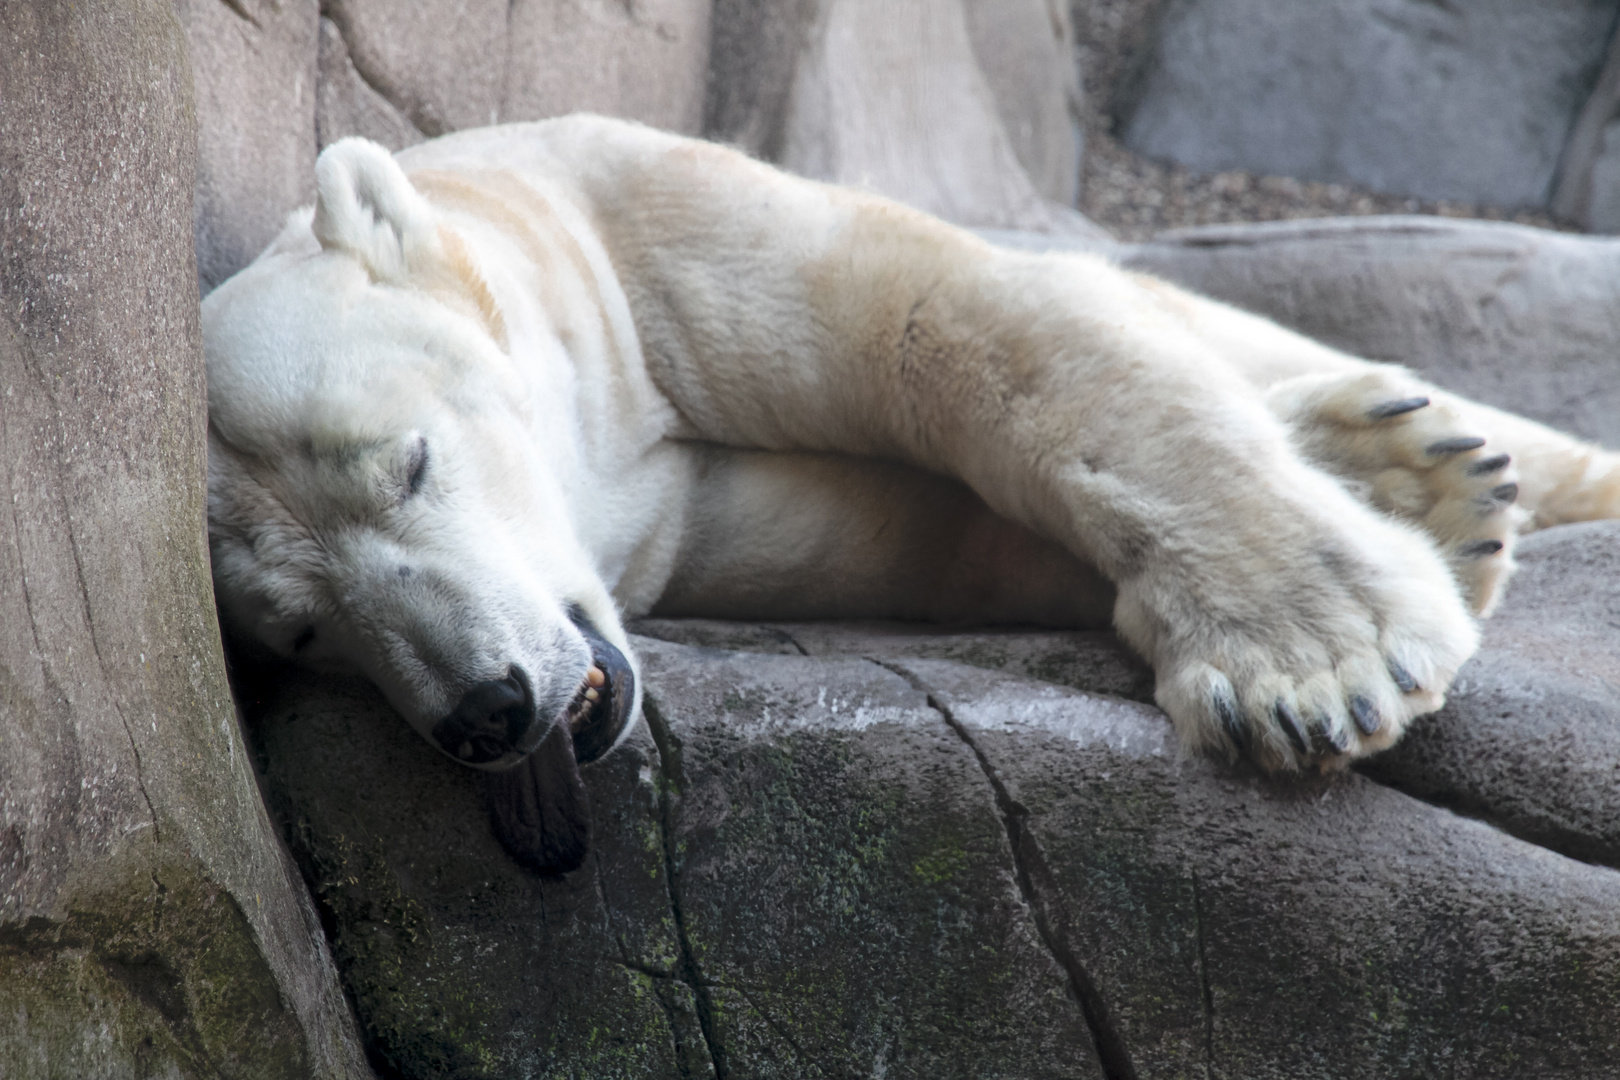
{"points": [[494, 722]]}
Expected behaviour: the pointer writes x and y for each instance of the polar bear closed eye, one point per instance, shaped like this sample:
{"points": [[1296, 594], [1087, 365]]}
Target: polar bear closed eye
{"points": [[490, 396]]}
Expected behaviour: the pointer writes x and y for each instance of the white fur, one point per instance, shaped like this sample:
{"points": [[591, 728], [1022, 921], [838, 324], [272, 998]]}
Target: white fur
{"points": [[651, 373]]}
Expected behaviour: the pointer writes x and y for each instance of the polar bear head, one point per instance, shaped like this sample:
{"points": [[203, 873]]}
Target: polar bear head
{"points": [[376, 499]]}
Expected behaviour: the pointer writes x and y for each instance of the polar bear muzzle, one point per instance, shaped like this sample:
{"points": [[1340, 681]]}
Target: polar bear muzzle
{"points": [[539, 807]]}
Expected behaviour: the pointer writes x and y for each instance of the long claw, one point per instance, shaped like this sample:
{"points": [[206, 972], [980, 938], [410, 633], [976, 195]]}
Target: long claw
{"points": [[1494, 463], [1227, 710], [1402, 677], [1459, 445], [1293, 727], [1387, 409], [1479, 549], [1365, 714]]}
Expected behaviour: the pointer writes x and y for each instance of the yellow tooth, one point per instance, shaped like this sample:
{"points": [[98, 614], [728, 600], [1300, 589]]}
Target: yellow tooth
{"points": [[594, 676], [591, 695]]}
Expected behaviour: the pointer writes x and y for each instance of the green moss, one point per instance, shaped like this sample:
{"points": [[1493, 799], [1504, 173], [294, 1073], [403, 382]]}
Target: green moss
{"points": [[156, 975]]}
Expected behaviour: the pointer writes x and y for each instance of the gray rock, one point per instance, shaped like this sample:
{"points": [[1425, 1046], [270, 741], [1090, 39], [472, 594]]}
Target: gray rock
{"points": [[1577, 181], [459, 962], [1469, 100], [1326, 927], [441, 64], [1521, 318], [806, 876], [1081, 659], [644, 61], [964, 108], [1530, 738], [919, 868], [253, 62], [345, 104], [1603, 198], [150, 923], [445, 65]]}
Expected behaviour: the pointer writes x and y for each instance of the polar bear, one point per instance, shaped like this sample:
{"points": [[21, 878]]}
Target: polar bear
{"points": [[493, 395]]}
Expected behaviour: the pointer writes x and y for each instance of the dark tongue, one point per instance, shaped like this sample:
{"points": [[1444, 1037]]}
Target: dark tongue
{"points": [[541, 813]]}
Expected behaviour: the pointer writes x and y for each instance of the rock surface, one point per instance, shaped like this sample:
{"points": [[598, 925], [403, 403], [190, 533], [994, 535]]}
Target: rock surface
{"points": [[254, 66], [859, 850], [764, 884], [1530, 738], [965, 108], [1524, 319], [1470, 100], [150, 922]]}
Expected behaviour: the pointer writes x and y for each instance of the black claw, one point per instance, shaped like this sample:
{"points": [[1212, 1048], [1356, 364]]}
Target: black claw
{"points": [[1226, 709], [1292, 726], [1505, 493], [1402, 677], [1328, 737], [1494, 463], [1460, 445], [1365, 714], [1388, 409], [1479, 549]]}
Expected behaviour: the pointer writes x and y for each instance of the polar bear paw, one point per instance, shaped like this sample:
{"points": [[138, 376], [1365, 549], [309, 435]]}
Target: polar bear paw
{"points": [[1311, 639], [1409, 455]]}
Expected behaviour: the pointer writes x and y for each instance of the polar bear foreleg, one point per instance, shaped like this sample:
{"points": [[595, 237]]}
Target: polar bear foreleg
{"points": [[1283, 617]]}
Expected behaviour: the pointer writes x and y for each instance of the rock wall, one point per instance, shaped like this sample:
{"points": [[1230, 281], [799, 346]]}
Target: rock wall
{"points": [[1487, 103], [150, 922], [966, 108]]}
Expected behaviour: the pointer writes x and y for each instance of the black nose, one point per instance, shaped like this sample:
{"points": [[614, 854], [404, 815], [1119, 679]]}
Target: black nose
{"points": [[493, 720]]}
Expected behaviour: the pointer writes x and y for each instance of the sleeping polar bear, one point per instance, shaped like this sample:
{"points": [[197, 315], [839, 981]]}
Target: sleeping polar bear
{"points": [[495, 394]]}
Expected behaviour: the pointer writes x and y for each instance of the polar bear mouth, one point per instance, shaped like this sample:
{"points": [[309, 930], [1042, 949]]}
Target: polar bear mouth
{"points": [[539, 808]]}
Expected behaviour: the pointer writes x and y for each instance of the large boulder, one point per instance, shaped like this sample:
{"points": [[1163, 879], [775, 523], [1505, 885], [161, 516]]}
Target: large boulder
{"points": [[253, 64], [965, 108], [885, 850], [1469, 100], [150, 923], [1524, 319], [1530, 738]]}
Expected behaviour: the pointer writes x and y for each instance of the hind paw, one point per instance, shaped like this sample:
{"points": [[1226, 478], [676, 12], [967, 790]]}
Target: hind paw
{"points": [[1409, 456]]}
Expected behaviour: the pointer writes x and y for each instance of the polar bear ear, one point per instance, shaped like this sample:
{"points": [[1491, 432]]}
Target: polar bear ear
{"points": [[366, 207]]}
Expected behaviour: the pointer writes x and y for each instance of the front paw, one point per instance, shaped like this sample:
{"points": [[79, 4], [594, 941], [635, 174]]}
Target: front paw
{"points": [[1318, 649]]}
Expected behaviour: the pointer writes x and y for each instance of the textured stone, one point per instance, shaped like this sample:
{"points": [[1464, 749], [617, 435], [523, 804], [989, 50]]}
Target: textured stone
{"points": [[345, 104], [453, 64], [964, 108], [1524, 319], [807, 876], [150, 924], [459, 962], [1530, 737], [644, 61], [1234, 925], [254, 64], [440, 64], [1468, 100]]}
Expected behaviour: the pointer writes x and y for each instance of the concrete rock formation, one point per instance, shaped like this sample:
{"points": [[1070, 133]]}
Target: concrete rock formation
{"points": [[1521, 318], [1471, 100], [877, 850], [965, 108], [150, 921]]}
